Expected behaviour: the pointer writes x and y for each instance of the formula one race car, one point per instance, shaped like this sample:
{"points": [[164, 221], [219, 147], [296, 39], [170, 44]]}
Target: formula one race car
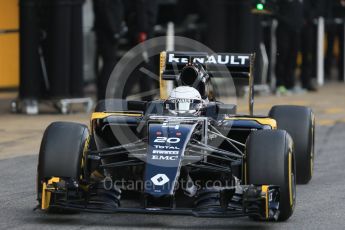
{"points": [[183, 154]]}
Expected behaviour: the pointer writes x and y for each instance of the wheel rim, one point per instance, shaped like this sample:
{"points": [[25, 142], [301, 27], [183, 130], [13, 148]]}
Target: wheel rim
{"points": [[292, 181], [293, 189], [312, 146]]}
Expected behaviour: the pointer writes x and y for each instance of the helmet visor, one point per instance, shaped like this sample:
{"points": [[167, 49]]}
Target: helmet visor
{"points": [[183, 105]]}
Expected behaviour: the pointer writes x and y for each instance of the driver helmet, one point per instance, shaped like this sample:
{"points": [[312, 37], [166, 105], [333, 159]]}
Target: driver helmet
{"points": [[184, 100]]}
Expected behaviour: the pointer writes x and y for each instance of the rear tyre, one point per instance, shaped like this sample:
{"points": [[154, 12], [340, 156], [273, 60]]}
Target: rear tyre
{"points": [[299, 122], [270, 161], [61, 153]]}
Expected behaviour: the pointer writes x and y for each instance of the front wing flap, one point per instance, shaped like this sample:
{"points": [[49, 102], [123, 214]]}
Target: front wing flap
{"points": [[257, 201]]}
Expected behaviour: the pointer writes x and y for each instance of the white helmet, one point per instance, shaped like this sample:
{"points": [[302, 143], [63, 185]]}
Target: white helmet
{"points": [[184, 100]]}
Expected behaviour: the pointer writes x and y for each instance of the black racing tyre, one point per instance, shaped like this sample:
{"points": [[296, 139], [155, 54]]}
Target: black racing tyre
{"points": [[61, 152], [299, 122], [270, 161]]}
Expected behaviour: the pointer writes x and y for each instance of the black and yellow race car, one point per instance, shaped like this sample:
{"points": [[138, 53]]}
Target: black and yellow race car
{"points": [[138, 157]]}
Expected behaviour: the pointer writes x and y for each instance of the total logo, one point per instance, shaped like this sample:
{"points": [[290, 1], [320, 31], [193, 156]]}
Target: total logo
{"points": [[160, 179]]}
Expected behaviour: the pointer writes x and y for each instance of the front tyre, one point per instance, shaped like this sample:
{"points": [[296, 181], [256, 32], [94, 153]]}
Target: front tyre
{"points": [[61, 152], [271, 161]]}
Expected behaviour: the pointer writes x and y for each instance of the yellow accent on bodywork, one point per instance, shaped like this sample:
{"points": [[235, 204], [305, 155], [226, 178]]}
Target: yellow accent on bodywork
{"points": [[100, 115], [162, 84], [264, 189], [47, 194], [263, 121], [86, 147]]}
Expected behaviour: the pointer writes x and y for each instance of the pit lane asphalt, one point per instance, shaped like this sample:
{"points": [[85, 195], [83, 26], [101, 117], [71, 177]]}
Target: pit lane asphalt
{"points": [[320, 204]]}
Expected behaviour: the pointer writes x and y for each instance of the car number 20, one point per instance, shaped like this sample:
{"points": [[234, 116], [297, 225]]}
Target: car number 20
{"points": [[171, 140]]}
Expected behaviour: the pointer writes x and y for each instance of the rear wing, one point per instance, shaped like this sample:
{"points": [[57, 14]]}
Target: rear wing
{"points": [[216, 65]]}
